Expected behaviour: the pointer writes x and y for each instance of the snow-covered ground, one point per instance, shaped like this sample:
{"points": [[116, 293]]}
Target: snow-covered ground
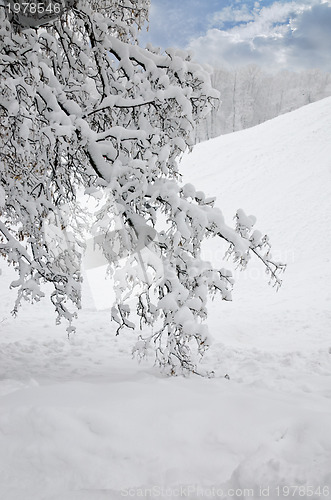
{"points": [[79, 419]]}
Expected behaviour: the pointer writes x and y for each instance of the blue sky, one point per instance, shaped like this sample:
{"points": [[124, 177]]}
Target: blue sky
{"points": [[290, 34]]}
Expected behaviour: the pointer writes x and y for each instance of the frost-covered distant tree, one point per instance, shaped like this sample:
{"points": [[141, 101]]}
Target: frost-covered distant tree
{"points": [[251, 96], [83, 106]]}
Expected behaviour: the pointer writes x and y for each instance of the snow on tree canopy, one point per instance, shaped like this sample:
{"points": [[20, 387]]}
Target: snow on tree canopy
{"points": [[83, 106]]}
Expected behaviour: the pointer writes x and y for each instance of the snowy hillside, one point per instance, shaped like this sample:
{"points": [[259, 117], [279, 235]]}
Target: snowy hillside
{"points": [[251, 96], [279, 171], [81, 420]]}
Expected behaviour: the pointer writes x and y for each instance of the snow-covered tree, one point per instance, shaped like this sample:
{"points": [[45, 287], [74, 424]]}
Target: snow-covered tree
{"points": [[83, 106]]}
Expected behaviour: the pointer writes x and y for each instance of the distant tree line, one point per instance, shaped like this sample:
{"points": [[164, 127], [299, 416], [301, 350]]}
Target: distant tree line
{"points": [[250, 96]]}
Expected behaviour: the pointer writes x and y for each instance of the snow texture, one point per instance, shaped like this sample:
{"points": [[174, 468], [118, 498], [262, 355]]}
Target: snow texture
{"points": [[80, 420]]}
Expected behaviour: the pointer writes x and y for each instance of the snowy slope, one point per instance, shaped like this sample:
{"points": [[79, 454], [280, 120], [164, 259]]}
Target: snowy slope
{"points": [[279, 171], [79, 419]]}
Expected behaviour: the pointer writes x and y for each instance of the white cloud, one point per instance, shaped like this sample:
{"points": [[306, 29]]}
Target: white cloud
{"points": [[292, 35], [229, 14]]}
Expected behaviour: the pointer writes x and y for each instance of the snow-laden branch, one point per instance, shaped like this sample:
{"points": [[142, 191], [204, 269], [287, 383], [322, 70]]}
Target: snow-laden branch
{"points": [[82, 106]]}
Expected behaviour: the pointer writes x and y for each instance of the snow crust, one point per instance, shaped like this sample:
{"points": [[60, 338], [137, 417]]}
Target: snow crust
{"points": [[79, 419]]}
